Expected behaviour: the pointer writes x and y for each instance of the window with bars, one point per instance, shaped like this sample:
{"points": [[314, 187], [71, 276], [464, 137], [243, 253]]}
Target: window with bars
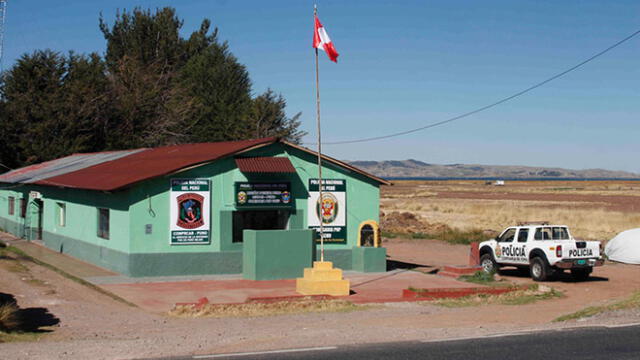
{"points": [[62, 214], [23, 207], [103, 223], [12, 205]]}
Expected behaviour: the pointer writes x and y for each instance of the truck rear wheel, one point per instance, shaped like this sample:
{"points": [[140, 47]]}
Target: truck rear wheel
{"points": [[581, 274], [539, 269], [488, 264]]}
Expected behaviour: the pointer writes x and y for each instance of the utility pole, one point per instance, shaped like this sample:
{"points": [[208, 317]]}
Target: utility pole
{"points": [[3, 15], [315, 13]]}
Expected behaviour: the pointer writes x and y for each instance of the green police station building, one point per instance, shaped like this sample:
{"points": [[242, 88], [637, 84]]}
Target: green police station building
{"points": [[184, 209]]}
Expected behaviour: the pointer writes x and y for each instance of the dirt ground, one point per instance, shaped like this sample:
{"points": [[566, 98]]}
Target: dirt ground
{"points": [[594, 210], [94, 326], [623, 196]]}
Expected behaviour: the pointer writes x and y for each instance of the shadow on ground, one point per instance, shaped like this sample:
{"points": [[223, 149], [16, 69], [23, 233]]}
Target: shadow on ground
{"points": [[395, 265], [29, 319], [559, 276], [401, 265]]}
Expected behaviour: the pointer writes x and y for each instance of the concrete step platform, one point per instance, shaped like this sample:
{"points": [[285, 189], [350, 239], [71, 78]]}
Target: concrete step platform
{"points": [[457, 271], [365, 288]]}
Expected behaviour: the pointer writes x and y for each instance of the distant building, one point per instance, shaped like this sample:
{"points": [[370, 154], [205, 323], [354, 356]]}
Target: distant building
{"points": [[181, 210]]}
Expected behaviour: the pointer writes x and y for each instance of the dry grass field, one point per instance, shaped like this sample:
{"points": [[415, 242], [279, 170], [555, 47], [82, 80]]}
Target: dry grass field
{"points": [[592, 209]]}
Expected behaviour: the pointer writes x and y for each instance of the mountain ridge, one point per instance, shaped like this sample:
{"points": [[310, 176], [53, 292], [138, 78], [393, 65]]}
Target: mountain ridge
{"points": [[415, 168]]}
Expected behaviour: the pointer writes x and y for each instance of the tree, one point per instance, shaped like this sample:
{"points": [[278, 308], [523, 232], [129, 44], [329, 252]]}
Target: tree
{"points": [[145, 37], [268, 116], [53, 106], [222, 86], [152, 88], [144, 53]]}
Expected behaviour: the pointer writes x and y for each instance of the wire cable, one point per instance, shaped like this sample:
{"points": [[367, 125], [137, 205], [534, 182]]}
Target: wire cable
{"points": [[486, 107]]}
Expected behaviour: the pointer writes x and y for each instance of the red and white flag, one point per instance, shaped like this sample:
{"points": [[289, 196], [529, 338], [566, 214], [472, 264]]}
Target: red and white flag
{"points": [[322, 41]]}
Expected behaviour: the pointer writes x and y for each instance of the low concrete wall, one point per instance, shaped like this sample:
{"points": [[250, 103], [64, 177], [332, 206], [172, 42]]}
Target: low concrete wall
{"points": [[12, 227], [171, 264], [369, 259], [341, 258], [282, 254], [147, 264], [276, 254], [109, 259]]}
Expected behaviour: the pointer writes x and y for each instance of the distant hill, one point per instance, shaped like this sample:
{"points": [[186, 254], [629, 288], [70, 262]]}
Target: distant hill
{"points": [[416, 168]]}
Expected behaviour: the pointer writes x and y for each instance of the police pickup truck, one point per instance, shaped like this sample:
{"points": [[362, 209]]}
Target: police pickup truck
{"points": [[543, 249]]}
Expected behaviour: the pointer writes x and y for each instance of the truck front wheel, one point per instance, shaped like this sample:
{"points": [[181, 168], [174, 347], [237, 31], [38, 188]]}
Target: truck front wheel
{"points": [[540, 269], [488, 264], [581, 274]]}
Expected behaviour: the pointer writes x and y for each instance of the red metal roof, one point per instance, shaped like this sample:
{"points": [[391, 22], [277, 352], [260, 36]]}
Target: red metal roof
{"points": [[265, 165], [150, 163], [108, 171]]}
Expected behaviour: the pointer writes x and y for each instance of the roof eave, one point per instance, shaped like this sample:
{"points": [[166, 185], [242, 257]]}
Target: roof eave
{"points": [[338, 162], [195, 165]]}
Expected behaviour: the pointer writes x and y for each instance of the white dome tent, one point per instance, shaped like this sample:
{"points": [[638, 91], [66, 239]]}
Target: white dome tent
{"points": [[625, 247]]}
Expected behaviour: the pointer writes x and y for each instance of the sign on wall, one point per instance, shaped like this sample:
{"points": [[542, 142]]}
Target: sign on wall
{"points": [[190, 201], [263, 194], [331, 209]]}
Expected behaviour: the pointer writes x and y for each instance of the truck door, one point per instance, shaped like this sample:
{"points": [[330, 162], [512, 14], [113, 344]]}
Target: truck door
{"points": [[504, 246], [523, 252]]}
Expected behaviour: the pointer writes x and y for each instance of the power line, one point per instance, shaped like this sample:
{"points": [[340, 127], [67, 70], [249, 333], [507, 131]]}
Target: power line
{"points": [[486, 107]]}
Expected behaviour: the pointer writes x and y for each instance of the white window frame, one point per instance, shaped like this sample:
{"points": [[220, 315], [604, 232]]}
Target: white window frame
{"points": [[62, 214]]}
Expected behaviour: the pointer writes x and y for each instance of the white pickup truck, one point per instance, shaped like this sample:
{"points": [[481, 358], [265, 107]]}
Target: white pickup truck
{"points": [[543, 249]]}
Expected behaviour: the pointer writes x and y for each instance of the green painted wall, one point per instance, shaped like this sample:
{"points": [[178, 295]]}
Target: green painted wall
{"points": [[132, 251], [276, 254], [341, 258], [102, 256], [363, 194], [81, 218], [369, 259], [78, 236], [150, 201], [11, 223]]}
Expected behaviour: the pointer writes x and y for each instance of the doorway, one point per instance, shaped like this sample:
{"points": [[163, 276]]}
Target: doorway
{"points": [[367, 236], [258, 220], [36, 230]]}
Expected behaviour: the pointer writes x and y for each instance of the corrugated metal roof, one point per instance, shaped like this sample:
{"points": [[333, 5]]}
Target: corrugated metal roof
{"points": [[265, 165], [150, 163], [107, 171], [42, 171]]}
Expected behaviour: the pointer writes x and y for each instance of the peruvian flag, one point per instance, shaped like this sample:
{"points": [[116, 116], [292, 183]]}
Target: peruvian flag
{"points": [[322, 41]]}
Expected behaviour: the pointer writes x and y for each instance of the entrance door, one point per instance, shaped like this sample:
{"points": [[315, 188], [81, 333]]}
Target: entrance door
{"points": [[36, 223], [258, 220]]}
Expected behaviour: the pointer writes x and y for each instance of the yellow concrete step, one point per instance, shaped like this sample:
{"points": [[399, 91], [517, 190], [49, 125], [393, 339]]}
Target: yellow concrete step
{"points": [[329, 287], [323, 274], [323, 265], [322, 279]]}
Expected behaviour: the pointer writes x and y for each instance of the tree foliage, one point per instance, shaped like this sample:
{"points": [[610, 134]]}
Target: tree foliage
{"points": [[54, 105], [151, 88]]}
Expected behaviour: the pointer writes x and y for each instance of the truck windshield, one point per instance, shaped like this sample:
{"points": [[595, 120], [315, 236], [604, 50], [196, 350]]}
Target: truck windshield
{"points": [[552, 233]]}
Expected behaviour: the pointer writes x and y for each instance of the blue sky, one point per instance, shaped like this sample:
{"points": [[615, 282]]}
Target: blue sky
{"points": [[404, 64]]}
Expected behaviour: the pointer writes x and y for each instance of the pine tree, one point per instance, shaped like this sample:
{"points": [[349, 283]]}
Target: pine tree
{"points": [[152, 88], [269, 117]]}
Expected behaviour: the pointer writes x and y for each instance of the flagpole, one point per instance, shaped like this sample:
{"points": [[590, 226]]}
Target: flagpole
{"points": [[315, 13]]}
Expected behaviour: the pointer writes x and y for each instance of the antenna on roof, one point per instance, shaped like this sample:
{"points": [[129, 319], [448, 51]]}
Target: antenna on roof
{"points": [[526, 223]]}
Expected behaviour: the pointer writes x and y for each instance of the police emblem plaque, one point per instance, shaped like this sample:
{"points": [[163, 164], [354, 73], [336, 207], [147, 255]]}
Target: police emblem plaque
{"points": [[189, 211], [331, 209]]}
